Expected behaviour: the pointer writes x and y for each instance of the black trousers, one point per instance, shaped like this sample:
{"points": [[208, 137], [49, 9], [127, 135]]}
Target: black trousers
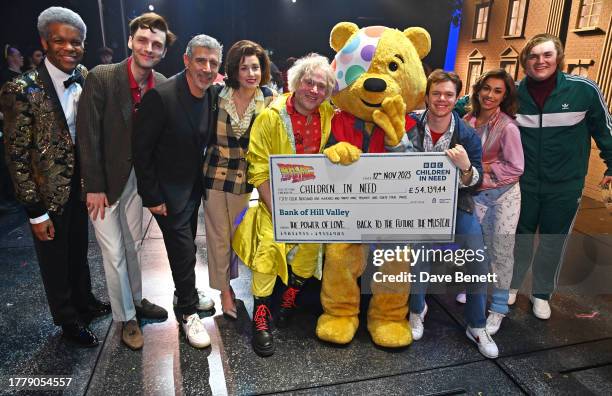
{"points": [[63, 262], [7, 192], [179, 231]]}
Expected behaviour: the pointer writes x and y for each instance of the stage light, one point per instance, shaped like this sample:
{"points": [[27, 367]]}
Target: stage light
{"points": [[293, 1], [151, 7]]}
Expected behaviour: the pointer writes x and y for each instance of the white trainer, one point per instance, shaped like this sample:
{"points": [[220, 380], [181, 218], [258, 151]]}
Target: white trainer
{"points": [[485, 343], [196, 334], [416, 324], [512, 296], [205, 303], [461, 297], [541, 308], [494, 321]]}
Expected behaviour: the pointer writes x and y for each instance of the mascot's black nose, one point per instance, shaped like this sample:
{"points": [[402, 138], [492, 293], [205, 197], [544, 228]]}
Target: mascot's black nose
{"points": [[375, 84]]}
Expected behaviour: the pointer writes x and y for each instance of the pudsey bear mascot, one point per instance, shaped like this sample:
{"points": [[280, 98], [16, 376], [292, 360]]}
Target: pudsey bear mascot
{"points": [[379, 77]]}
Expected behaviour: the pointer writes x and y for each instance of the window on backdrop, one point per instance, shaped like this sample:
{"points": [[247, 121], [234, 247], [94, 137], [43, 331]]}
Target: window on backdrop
{"points": [[515, 22], [590, 10], [481, 21]]}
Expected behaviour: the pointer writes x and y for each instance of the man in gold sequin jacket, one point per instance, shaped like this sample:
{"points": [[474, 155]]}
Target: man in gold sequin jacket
{"points": [[40, 111], [39, 150]]}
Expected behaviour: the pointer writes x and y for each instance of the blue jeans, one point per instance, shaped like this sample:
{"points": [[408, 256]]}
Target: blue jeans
{"points": [[469, 233], [499, 301]]}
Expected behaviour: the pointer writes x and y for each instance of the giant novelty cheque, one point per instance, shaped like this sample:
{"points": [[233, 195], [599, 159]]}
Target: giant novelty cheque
{"points": [[314, 200]]}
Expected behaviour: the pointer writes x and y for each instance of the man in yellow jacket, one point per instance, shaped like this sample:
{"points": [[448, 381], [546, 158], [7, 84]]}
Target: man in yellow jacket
{"points": [[297, 122]]}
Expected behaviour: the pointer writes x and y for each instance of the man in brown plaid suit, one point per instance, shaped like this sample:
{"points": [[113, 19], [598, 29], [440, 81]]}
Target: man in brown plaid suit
{"points": [[110, 99]]}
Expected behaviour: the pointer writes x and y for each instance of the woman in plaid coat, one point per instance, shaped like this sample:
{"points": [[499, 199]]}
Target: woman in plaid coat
{"points": [[225, 168]]}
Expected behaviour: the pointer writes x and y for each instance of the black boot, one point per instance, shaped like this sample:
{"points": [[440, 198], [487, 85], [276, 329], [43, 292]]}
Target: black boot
{"points": [[287, 306], [79, 334], [262, 341]]}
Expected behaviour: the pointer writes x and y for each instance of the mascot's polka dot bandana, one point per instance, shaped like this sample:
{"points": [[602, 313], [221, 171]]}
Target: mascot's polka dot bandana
{"points": [[356, 56]]}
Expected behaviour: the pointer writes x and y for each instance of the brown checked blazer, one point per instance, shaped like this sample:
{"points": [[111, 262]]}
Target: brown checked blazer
{"points": [[104, 129], [39, 151]]}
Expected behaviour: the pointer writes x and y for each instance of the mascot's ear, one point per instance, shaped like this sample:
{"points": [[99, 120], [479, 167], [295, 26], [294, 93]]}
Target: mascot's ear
{"points": [[420, 39], [341, 33]]}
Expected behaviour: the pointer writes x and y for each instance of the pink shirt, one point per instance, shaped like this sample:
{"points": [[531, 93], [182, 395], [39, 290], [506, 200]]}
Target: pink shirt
{"points": [[502, 151]]}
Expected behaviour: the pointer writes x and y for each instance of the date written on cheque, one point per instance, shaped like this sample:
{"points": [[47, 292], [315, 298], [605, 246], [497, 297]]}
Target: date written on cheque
{"points": [[394, 175]]}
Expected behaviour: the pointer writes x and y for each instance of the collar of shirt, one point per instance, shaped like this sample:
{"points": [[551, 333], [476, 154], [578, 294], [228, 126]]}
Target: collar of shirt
{"points": [[226, 95], [57, 76], [443, 143], [306, 129], [290, 107], [294, 113], [471, 119], [68, 97], [134, 87], [227, 92], [255, 106], [133, 82]]}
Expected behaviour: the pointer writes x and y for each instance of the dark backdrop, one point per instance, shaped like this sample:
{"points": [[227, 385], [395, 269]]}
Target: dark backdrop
{"points": [[285, 28], [18, 26]]}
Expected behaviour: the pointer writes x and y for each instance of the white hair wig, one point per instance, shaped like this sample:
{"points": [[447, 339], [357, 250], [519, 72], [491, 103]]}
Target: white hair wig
{"points": [[308, 65]]}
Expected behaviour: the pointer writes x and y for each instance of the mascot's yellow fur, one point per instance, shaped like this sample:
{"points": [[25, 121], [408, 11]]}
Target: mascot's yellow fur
{"points": [[380, 76]]}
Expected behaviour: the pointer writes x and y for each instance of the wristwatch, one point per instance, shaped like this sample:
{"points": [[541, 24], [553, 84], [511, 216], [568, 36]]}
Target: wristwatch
{"points": [[467, 171]]}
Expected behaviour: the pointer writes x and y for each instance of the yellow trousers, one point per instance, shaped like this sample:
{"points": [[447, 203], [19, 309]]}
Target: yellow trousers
{"points": [[262, 284]]}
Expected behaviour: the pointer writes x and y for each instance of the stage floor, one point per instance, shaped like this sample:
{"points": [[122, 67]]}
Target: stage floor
{"points": [[569, 354]]}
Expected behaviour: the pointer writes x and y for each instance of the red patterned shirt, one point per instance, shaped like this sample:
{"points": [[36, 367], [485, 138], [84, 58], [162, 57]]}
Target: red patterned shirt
{"points": [[306, 130], [137, 93], [435, 136]]}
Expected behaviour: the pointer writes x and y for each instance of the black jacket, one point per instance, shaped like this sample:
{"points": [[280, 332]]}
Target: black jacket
{"points": [[168, 144]]}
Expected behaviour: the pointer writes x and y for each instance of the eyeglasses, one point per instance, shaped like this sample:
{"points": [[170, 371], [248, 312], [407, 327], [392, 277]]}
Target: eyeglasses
{"points": [[310, 84]]}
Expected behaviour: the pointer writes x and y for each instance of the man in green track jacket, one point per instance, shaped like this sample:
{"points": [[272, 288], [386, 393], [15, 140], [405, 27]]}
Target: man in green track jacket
{"points": [[558, 115]]}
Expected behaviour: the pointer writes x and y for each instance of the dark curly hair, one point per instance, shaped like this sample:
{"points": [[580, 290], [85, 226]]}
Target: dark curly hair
{"points": [[509, 104], [236, 54]]}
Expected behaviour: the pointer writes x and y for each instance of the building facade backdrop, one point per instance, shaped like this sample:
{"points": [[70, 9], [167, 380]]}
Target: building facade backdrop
{"points": [[493, 32]]}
